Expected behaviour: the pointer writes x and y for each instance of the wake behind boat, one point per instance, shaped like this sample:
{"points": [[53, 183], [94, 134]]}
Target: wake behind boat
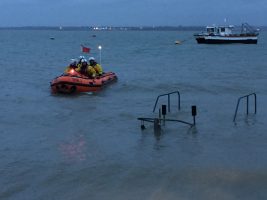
{"points": [[225, 35]]}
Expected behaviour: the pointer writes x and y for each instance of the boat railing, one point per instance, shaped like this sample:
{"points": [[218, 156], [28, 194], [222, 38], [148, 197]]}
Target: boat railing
{"points": [[247, 29]]}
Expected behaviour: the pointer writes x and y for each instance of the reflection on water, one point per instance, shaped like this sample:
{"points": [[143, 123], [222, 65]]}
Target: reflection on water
{"points": [[74, 150]]}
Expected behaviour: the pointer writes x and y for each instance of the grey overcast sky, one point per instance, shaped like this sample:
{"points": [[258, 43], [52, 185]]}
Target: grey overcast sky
{"points": [[131, 12]]}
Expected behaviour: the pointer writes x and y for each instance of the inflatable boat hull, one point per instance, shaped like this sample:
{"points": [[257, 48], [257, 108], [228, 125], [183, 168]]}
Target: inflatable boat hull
{"points": [[77, 83]]}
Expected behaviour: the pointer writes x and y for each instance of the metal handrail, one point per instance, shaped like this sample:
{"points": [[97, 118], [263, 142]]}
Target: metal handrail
{"points": [[168, 94], [246, 96], [153, 120]]}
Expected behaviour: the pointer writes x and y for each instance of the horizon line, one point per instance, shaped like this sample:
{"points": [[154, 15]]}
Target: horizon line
{"points": [[111, 26], [117, 28]]}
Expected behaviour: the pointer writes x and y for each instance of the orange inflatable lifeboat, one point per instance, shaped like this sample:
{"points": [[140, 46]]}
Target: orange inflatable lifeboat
{"points": [[74, 82]]}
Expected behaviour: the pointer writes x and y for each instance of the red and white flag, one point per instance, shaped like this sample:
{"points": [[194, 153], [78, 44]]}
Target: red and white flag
{"points": [[85, 49]]}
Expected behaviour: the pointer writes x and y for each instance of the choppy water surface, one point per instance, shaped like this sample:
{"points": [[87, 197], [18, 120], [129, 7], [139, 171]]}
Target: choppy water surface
{"points": [[91, 146]]}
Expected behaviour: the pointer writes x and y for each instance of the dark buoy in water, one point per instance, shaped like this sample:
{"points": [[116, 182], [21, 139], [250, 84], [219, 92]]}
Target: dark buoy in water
{"points": [[52, 38]]}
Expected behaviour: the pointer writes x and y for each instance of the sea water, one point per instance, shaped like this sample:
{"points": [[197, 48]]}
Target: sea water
{"points": [[91, 146]]}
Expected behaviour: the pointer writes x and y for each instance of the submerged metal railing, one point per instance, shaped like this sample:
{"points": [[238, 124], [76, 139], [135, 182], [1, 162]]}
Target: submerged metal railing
{"points": [[162, 119], [168, 94], [247, 106]]}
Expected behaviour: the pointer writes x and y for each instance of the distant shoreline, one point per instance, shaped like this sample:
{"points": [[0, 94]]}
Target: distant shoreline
{"points": [[106, 28], [113, 28]]}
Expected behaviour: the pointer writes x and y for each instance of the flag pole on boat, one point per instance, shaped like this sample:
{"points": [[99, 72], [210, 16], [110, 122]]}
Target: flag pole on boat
{"points": [[100, 48]]}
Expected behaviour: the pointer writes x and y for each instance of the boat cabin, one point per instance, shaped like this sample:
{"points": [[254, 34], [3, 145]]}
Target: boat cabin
{"points": [[226, 34], [219, 30]]}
